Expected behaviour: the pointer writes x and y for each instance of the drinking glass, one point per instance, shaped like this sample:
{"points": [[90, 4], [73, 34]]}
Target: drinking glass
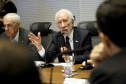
{"points": [[70, 60]]}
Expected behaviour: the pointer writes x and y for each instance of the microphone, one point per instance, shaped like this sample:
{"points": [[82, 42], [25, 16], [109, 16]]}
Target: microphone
{"points": [[77, 50], [87, 66], [59, 34]]}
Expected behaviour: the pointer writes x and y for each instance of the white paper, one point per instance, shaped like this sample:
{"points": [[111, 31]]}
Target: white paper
{"points": [[75, 81], [38, 63], [59, 64]]}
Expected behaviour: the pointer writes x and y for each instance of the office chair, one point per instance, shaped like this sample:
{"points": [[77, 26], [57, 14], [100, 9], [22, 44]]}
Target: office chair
{"points": [[43, 28], [92, 27]]}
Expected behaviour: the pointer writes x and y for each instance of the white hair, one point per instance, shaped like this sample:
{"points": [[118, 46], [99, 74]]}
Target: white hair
{"points": [[69, 13], [15, 17]]}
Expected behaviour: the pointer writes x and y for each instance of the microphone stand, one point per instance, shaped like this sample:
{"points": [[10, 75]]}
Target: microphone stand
{"points": [[48, 64], [87, 66]]}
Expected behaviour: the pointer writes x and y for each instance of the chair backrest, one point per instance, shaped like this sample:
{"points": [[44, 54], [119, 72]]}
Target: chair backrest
{"points": [[92, 27], [43, 28]]}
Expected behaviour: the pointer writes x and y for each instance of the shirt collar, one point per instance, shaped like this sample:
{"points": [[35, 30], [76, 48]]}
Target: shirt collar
{"points": [[70, 35], [16, 38]]}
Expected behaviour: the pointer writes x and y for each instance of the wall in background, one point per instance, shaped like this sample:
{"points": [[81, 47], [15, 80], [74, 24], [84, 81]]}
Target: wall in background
{"points": [[44, 10]]}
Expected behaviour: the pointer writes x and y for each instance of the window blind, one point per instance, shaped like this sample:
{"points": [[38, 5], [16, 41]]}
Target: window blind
{"points": [[44, 10]]}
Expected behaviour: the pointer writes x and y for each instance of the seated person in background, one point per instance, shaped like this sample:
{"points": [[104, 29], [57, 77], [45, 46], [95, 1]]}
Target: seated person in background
{"points": [[14, 33], [78, 38], [97, 55], [111, 20], [16, 65], [7, 6]]}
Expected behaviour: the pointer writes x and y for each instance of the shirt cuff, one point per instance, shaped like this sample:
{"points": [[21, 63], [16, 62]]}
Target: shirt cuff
{"points": [[42, 52]]}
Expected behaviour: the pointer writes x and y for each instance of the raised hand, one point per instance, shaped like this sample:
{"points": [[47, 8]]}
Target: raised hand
{"points": [[36, 40]]}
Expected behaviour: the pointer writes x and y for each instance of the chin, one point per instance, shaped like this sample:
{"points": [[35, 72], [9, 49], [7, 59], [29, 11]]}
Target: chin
{"points": [[66, 34], [7, 34]]}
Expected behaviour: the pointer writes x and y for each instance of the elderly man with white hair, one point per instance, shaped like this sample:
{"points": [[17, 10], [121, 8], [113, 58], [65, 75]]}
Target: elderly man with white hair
{"points": [[14, 33], [76, 38]]}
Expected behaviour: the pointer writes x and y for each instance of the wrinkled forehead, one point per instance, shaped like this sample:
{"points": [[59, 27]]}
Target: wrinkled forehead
{"points": [[8, 20], [62, 15]]}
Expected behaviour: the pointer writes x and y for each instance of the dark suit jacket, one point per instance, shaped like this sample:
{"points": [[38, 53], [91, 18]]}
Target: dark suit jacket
{"points": [[81, 38], [24, 40], [111, 71]]}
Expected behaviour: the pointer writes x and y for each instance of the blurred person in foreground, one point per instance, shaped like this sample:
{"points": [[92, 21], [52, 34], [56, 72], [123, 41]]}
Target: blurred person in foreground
{"points": [[14, 33], [111, 19], [78, 37], [16, 65]]}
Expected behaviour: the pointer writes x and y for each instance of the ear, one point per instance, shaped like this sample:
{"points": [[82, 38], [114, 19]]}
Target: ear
{"points": [[18, 24], [72, 23], [105, 39]]}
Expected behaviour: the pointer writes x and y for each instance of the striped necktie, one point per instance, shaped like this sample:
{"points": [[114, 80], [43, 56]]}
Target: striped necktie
{"points": [[67, 43]]}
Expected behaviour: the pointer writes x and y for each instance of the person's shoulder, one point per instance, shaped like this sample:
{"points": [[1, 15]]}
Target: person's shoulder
{"points": [[82, 32], [81, 29], [24, 31], [56, 34]]}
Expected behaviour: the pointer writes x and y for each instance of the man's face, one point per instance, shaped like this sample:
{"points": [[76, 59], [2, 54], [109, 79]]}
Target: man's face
{"points": [[64, 23], [11, 28]]}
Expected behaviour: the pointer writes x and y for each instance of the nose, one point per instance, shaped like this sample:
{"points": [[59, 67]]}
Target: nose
{"points": [[6, 28], [63, 25]]}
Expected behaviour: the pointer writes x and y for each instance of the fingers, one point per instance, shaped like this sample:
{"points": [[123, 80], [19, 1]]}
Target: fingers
{"points": [[61, 49], [88, 62], [39, 35], [31, 36], [64, 49], [63, 56], [98, 54]]}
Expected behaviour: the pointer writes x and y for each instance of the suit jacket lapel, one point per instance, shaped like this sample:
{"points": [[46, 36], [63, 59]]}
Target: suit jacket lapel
{"points": [[21, 39], [61, 41], [76, 40]]}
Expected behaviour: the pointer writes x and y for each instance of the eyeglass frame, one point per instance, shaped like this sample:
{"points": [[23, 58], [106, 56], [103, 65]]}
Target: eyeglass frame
{"points": [[64, 21], [9, 27]]}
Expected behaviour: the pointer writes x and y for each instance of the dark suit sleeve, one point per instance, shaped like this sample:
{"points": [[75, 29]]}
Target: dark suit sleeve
{"points": [[99, 76], [34, 52], [85, 41]]}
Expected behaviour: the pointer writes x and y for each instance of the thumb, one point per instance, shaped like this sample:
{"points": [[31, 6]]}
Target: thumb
{"points": [[39, 34]]}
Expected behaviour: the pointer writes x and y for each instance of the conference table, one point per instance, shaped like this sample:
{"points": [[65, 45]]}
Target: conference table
{"points": [[58, 75]]}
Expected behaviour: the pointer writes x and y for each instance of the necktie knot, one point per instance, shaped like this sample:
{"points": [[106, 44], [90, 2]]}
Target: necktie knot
{"points": [[67, 38]]}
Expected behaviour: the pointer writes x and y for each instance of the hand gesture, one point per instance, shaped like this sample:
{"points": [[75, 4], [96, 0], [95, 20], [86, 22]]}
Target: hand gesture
{"points": [[62, 50], [36, 40]]}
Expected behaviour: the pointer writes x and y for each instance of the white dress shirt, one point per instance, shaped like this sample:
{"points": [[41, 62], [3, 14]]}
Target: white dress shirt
{"points": [[16, 38]]}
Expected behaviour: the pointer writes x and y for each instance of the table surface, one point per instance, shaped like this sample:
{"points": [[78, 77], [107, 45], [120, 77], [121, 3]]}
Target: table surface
{"points": [[58, 75]]}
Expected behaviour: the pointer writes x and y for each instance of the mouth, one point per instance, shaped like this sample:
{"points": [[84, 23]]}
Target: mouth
{"points": [[64, 30], [7, 33]]}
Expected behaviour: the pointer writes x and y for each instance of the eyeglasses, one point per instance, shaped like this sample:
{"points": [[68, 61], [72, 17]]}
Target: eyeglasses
{"points": [[64, 21], [9, 26]]}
